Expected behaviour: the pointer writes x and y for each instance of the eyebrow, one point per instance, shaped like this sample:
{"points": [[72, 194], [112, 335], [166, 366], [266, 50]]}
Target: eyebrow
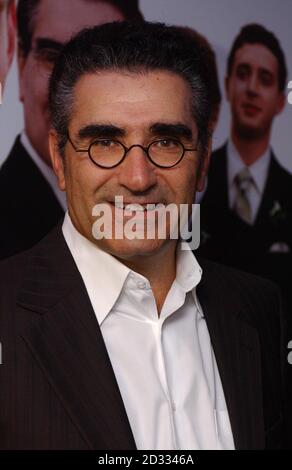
{"points": [[100, 130], [46, 43], [261, 69], [175, 130], [110, 131]]}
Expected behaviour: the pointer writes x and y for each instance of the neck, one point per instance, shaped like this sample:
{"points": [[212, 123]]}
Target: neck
{"points": [[250, 150], [161, 278]]}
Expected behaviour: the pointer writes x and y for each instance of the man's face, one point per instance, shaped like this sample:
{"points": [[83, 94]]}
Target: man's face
{"points": [[253, 92], [134, 109], [54, 24], [7, 37]]}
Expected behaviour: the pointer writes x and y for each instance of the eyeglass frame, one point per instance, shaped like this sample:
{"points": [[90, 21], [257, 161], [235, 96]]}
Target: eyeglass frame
{"points": [[127, 149]]}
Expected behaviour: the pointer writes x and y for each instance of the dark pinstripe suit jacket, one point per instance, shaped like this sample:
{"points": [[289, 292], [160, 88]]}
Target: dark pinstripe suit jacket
{"points": [[57, 386]]}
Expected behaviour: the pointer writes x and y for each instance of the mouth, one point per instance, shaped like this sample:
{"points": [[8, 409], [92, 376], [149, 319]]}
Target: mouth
{"points": [[251, 109], [131, 208], [134, 206]]}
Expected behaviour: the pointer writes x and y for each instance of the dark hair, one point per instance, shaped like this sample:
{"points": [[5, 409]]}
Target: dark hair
{"points": [[212, 72], [132, 47], [27, 10], [258, 34]]}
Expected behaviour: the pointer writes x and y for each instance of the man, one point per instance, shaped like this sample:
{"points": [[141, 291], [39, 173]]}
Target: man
{"points": [[121, 342], [7, 39], [247, 208], [30, 200]]}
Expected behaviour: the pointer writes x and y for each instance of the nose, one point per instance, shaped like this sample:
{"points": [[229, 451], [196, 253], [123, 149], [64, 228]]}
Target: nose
{"points": [[137, 173], [252, 84]]}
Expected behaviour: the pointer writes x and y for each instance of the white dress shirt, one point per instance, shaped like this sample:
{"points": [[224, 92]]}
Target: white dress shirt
{"points": [[258, 171], [45, 170], [165, 366]]}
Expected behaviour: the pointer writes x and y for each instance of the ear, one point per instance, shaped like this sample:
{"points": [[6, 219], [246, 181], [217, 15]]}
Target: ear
{"points": [[204, 166], [57, 160], [11, 27]]}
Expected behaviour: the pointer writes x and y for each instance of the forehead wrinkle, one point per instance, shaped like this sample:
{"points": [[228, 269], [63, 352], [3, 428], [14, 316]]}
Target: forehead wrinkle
{"points": [[126, 110]]}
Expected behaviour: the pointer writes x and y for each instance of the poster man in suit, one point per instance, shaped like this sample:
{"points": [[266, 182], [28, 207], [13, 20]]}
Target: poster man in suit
{"points": [[7, 38], [247, 208], [120, 343], [44, 26]]}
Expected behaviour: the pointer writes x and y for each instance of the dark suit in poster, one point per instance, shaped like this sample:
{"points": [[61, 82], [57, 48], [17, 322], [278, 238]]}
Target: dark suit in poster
{"points": [[29, 208], [263, 248]]}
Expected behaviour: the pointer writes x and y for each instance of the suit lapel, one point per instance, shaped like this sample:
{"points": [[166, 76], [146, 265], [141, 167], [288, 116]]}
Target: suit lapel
{"points": [[237, 352], [62, 332]]}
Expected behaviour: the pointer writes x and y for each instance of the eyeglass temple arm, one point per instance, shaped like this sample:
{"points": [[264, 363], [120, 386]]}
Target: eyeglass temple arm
{"points": [[74, 147]]}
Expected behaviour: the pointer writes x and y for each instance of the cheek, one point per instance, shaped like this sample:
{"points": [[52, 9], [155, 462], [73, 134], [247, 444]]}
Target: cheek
{"points": [[35, 89], [184, 184], [41, 92], [190, 187], [271, 102], [83, 183], [236, 89], [77, 182]]}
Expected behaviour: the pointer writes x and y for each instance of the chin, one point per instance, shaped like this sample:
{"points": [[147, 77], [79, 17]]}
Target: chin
{"points": [[250, 131], [127, 249]]}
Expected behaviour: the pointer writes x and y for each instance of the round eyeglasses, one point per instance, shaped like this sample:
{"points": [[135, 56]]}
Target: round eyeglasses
{"points": [[108, 153]]}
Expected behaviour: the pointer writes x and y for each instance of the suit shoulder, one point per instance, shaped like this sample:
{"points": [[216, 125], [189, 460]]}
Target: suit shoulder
{"points": [[284, 174], [12, 269], [280, 184], [11, 279], [234, 275], [218, 157], [220, 151], [249, 290], [258, 301]]}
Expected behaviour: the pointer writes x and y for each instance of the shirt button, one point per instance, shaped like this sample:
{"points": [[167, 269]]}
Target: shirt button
{"points": [[141, 285]]}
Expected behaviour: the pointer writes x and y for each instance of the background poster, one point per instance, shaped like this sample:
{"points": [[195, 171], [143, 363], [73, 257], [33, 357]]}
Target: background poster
{"points": [[220, 21]]}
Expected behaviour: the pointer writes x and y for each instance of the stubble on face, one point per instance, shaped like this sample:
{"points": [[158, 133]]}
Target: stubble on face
{"points": [[132, 103]]}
